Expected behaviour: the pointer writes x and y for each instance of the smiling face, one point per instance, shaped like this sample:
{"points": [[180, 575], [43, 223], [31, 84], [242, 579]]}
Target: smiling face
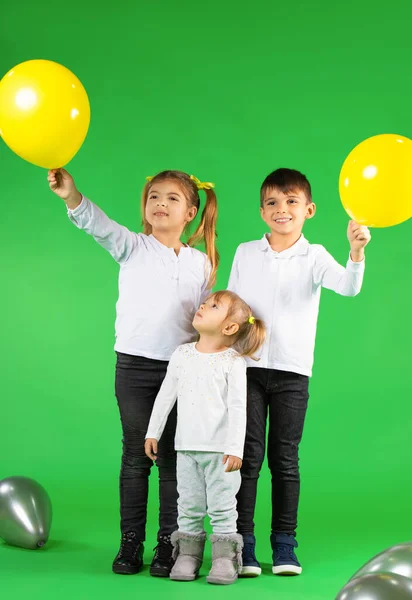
{"points": [[286, 213], [167, 208]]}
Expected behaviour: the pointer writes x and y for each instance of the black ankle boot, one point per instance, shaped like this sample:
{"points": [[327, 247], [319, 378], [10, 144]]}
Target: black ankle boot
{"points": [[162, 562], [129, 559]]}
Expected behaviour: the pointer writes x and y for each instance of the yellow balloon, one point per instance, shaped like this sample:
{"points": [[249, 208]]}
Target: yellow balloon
{"points": [[44, 113], [375, 182]]}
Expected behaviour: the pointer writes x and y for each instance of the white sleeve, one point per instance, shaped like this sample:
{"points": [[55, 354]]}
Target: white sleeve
{"points": [[233, 284], [115, 238], [236, 404], [331, 275], [165, 400]]}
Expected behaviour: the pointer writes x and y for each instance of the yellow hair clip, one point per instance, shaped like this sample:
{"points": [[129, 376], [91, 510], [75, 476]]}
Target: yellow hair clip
{"points": [[202, 185], [251, 320]]}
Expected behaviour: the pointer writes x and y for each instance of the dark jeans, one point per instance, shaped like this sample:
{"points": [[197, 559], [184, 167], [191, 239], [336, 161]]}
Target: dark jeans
{"points": [[285, 395], [138, 381]]}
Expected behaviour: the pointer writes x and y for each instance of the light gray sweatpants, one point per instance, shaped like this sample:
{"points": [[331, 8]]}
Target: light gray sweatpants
{"points": [[205, 489]]}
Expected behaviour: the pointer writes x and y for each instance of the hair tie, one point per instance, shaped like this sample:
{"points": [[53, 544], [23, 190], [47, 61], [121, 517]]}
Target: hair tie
{"points": [[202, 185], [251, 320]]}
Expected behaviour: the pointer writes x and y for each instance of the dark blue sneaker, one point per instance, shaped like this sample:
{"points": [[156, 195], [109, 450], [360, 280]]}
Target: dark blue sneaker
{"points": [[250, 567], [285, 561]]}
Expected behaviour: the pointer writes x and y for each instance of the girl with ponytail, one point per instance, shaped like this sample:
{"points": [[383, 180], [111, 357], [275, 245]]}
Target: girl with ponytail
{"points": [[162, 281]]}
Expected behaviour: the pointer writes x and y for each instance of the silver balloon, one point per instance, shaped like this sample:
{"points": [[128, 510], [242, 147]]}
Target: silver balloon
{"points": [[25, 513], [377, 586], [397, 559]]}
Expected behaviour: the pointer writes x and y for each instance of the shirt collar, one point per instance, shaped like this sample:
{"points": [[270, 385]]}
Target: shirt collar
{"points": [[164, 249], [299, 248]]}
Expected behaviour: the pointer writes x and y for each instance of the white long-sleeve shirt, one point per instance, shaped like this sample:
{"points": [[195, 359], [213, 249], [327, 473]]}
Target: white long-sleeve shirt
{"points": [[159, 292], [283, 289], [210, 390]]}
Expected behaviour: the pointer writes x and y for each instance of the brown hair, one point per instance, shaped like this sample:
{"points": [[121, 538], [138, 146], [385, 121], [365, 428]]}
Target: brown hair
{"points": [[286, 180], [252, 331], [206, 231]]}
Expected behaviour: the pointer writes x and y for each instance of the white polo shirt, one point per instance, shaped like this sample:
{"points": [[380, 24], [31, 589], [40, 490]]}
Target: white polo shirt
{"points": [[211, 401], [283, 289], [159, 292]]}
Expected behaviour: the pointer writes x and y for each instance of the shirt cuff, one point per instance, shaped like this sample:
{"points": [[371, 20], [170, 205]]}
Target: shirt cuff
{"points": [[355, 266], [79, 209]]}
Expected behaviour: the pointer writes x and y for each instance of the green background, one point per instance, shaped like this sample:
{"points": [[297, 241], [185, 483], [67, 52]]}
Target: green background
{"points": [[227, 91]]}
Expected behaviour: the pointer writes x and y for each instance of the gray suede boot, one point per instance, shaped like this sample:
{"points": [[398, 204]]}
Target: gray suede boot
{"points": [[226, 558], [188, 554]]}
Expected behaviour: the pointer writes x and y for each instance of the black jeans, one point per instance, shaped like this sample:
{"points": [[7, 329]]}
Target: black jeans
{"points": [[285, 395], [138, 381]]}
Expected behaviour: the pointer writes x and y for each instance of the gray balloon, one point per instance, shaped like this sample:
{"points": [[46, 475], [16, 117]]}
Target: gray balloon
{"points": [[397, 559], [25, 513], [377, 586]]}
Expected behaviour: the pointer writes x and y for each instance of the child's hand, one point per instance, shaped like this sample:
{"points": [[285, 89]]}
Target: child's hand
{"points": [[62, 184], [150, 447], [359, 236], [233, 463]]}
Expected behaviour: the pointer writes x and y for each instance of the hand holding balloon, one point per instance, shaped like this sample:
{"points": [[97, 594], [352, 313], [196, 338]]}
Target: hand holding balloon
{"points": [[62, 184], [359, 236]]}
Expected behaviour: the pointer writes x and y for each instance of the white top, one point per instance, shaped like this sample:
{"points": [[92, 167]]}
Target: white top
{"points": [[283, 289], [211, 401], [159, 292]]}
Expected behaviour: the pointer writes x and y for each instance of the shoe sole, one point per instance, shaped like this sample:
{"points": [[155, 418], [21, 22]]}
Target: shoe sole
{"points": [[250, 572], [287, 570], [184, 577], [159, 573], [119, 570], [217, 581]]}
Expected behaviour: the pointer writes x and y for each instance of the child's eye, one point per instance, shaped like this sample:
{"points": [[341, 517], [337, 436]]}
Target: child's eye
{"points": [[152, 197], [173, 198], [292, 201], [271, 203], [214, 305]]}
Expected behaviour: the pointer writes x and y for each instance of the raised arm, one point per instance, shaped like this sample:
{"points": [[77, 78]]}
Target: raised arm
{"points": [[116, 239], [331, 275]]}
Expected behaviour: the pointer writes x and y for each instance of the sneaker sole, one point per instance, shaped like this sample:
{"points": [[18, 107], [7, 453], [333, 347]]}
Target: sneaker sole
{"points": [[250, 572], [287, 570]]}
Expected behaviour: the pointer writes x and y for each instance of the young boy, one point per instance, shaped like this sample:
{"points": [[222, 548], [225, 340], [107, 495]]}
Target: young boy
{"points": [[280, 277]]}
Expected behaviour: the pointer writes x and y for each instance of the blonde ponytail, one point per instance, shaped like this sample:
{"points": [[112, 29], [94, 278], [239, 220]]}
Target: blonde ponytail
{"points": [[206, 232], [251, 337]]}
